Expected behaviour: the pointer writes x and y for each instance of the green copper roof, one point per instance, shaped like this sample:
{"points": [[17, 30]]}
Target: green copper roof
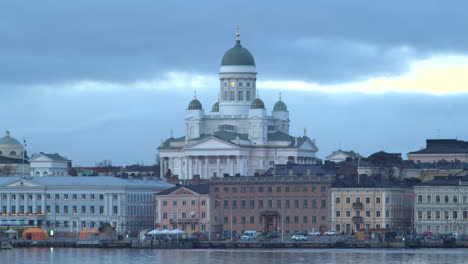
{"points": [[7, 140], [195, 105], [257, 104], [280, 106], [215, 107], [238, 56]]}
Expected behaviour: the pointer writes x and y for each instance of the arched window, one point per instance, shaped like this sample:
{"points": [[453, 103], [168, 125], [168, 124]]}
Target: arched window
{"points": [[45, 173], [13, 153], [38, 174]]}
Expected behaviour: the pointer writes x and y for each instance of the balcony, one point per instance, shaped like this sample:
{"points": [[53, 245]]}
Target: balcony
{"points": [[357, 219], [357, 205], [184, 221]]}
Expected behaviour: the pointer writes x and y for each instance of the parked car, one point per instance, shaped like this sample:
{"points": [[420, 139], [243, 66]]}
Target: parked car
{"points": [[249, 235], [330, 233], [269, 237], [299, 237], [199, 236], [315, 233]]}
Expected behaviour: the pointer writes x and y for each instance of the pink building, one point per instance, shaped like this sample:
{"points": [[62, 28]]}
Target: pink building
{"points": [[183, 207]]}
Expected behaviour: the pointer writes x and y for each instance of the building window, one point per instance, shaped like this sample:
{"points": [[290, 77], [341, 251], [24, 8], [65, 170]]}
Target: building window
{"points": [[437, 215], [101, 210], [348, 200], [377, 213], [338, 213], [455, 199], [203, 202], [57, 209], [314, 219], [247, 94], [14, 197], [323, 189], [437, 198], [83, 209], [164, 203], [260, 189], [75, 196], [338, 200], [203, 214], [367, 200], [304, 203], [252, 204], [115, 210], [286, 220], [455, 214], [65, 209], [296, 203], [75, 209], [387, 213], [270, 189], [57, 197], [260, 204], [367, 213], [428, 199], [231, 96], [252, 220], [314, 203], [288, 205], [446, 214], [83, 197], [348, 213], [446, 199], [278, 204], [286, 189], [91, 209], [115, 197], [241, 95], [270, 204], [92, 196], [377, 200], [184, 203], [324, 203], [174, 203], [101, 197]]}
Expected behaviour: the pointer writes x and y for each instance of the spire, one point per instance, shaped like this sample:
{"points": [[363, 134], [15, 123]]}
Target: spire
{"points": [[305, 132], [195, 95], [238, 37], [172, 133], [280, 96]]}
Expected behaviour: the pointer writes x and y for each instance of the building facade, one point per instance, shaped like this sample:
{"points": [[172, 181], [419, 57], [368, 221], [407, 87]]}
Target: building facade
{"points": [[183, 207], [441, 150], [365, 205], [283, 204], [74, 203], [237, 137], [441, 205], [44, 164]]}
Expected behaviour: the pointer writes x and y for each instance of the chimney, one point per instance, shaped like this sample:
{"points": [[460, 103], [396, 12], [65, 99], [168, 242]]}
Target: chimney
{"points": [[7, 133], [196, 179]]}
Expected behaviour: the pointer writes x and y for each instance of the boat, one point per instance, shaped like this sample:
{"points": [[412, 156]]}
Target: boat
{"points": [[6, 245]]}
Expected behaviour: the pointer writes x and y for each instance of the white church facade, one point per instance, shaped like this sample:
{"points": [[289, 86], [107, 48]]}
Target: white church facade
{"points": [[237, 137]]}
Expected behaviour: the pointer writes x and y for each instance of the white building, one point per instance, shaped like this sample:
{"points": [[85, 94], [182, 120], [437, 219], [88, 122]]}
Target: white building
{"points": [[236, 136], [44, 164], [74, 203]]}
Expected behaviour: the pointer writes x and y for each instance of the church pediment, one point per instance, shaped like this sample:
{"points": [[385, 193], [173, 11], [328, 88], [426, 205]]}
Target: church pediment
{"points": [[20, 183], [212, 143], [309, 145]]}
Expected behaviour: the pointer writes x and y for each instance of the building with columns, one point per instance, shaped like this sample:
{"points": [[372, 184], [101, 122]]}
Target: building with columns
{"points": [[74, 203], [13, 158], [43, 164], [237, 137]]}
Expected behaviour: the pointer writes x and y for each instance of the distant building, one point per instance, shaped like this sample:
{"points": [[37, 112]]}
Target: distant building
{"points": [[183, 207], [75, 203], [441, 149], [441, 205], [12, 153], [44, 164], [341, 155], [238, 136], [370, 203], [282, 204]]}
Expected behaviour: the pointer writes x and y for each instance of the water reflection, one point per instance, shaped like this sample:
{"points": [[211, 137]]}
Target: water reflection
{"points": [[271, 256]]}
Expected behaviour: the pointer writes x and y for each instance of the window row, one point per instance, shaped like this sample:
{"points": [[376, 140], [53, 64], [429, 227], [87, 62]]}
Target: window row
{"points": [[441, 198], [270, 189], [183, 202], [183, 215], [429, 215], [74, 196], [273, 204], [57, 209]]}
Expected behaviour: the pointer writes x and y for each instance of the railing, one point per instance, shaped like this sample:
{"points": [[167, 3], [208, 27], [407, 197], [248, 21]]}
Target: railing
{"points": [[184, 221], [357, 219], [357, 205]]}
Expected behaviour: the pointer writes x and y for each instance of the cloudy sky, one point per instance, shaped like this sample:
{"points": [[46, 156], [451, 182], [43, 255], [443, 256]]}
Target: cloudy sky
{"points": [[95, 80]]}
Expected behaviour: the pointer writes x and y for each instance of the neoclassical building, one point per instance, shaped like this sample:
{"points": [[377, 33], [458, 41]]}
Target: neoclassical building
{"points": [[237, 137], [11, 157]]}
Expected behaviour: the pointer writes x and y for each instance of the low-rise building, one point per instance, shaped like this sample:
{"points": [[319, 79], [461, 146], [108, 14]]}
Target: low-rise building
{"points": [[183, 207], [74, 203], [441, 205], [43, 164], [282, 204], [370, 202], [441, 149], [341, 155]]}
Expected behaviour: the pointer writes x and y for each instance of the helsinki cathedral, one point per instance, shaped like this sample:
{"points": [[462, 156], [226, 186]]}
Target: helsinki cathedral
{"points": [[237, 136]]}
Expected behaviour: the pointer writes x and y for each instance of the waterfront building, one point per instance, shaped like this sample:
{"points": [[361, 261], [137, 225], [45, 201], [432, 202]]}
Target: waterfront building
{"points": [[43, 164], [183, 207], [370, 202], [441, 205], [13, 158], [441, 150], [75, 203], [237, 137], [341, 155], [282, 204]]}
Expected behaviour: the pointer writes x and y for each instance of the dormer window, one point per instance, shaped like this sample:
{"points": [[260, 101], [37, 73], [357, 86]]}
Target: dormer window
{"points": [[13, 153]]}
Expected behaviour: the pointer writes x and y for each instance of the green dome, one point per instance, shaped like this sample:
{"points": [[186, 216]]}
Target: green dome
{"points": [[195, 105], [280, 106], [257, 104], [7, 140], [238, 56], [215, 107]]}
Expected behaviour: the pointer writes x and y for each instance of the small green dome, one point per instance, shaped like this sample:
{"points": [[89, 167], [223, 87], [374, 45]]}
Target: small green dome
{"points": [[215, 107], [7, 140], [257, 104], [280, 106], [238, 56], [195, 105]]}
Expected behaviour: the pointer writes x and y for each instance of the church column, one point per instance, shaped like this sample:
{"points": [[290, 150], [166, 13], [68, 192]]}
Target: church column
{"points": [[190, 168], [238, 167], [197, 165], [207, 163], [217, 167], [228, 163]]}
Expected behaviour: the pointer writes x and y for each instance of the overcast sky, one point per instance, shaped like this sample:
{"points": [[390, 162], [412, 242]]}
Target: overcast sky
{"points": [[107, 80]]}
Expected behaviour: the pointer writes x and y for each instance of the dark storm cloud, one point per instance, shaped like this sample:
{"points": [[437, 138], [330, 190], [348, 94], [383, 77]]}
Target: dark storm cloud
{"points": [[323, 41]]}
